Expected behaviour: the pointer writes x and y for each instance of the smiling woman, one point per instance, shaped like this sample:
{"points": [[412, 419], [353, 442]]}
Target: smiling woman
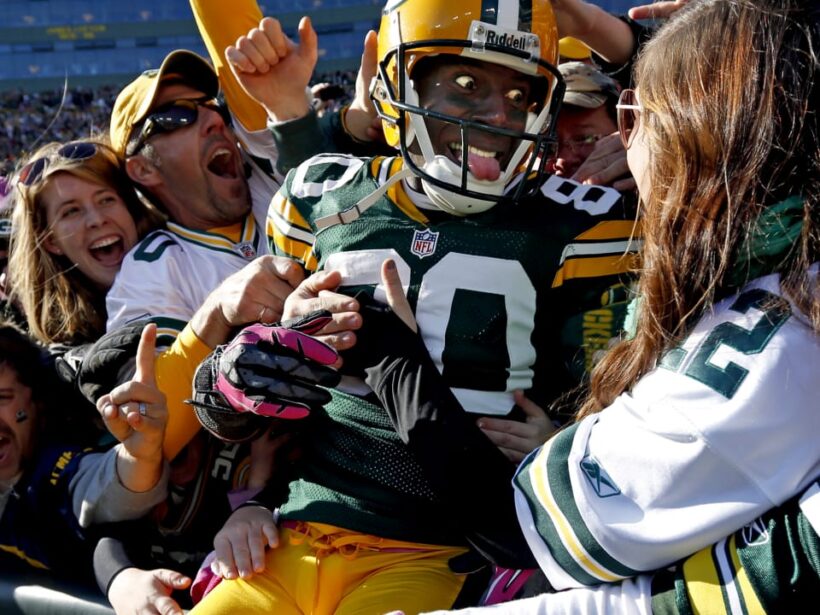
{"points": [[75, 217]]}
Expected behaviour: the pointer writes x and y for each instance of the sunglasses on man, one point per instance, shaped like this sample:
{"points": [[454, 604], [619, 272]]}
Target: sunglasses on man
{"points": [[170, 117]]}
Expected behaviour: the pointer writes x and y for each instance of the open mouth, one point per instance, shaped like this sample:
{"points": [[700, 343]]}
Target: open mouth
{"points": [[223, 164], [108, 250], [483, 164]]}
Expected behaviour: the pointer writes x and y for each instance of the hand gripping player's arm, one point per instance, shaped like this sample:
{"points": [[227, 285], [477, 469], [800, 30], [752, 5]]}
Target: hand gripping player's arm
{"points": [[268, 372]]}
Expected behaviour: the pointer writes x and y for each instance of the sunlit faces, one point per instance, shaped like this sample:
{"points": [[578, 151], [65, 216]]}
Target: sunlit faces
{"points": [[578, 130], [89, 224], [16, 438], [203, 181], [483, 92]]}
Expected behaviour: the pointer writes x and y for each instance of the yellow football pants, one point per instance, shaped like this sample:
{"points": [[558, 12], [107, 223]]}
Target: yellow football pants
{"points": [[319, 569]]}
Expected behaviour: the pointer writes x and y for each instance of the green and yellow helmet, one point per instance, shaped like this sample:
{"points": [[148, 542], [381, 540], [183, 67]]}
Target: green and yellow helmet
{"points": [[518, 34]]}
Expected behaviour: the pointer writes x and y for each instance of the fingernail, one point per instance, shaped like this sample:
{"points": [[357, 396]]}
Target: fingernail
{"points": [[351, 306], [390, 264], [480, 424]]}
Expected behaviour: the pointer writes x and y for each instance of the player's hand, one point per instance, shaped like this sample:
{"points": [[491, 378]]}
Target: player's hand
{"points": [[274, 70], [318, 292], [396, 298], [277, 371], [657, 10], [146, 592], [135, 412], [515, 439], [255, 293], [361, 119], [606, 165], [240, 544]]}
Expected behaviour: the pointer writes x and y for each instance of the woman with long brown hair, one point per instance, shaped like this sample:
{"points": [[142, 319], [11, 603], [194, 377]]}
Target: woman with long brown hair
{"points": [[707, 416], [76, 215]]}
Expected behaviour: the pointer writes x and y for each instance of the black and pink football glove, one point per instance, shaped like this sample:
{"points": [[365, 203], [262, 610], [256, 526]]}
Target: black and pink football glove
{"points": [[266, 371]]}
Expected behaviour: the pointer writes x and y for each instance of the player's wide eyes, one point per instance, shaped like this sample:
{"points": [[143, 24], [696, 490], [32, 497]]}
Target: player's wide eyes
{"points": [[516, 96], [466, 82]]}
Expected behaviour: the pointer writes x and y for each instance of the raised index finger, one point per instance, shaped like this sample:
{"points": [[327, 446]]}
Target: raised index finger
{"points": [[146, 354], [396, 298]]}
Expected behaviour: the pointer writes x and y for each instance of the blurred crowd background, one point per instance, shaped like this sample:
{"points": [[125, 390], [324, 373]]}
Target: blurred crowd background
{"points": [[62, 62]]}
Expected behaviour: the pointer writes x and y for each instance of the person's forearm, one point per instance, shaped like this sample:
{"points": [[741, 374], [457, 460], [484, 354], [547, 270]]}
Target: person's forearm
{"points": [[299, 139], [220, 24], [110, 559], [604, 33], [137, 474], [99, 495], [175, 371]]}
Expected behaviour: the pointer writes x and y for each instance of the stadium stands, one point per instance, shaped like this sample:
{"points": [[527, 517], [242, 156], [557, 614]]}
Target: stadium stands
{"points": [[91, 42]]}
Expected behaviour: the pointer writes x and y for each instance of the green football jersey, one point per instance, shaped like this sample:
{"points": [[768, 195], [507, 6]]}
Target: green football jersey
{"points": [[771, 565], [501, 299]]}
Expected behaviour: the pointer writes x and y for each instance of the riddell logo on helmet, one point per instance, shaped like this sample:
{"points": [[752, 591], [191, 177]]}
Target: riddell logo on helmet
{"points": [[482, 33], [507, 40]]}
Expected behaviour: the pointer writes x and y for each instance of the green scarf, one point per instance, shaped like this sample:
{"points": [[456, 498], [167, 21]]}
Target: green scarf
{"points": [[769, 240], [762, 252]]}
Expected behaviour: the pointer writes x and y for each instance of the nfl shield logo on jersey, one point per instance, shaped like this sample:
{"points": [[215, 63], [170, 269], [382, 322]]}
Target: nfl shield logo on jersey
{"points": [[246, 250], [424, 243]]}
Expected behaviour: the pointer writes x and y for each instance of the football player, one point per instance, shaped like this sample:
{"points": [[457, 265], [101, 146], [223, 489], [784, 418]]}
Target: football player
{"points": [[512, 276]]}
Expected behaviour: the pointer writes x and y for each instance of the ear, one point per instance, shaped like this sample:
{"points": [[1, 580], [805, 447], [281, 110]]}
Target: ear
{"points": [[51, 246], [142, 171]]}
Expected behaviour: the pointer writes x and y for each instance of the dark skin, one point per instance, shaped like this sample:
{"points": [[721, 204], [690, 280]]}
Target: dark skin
{"points": [[464, 88]]}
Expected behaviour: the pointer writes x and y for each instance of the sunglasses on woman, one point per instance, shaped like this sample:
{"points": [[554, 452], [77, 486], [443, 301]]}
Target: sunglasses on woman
{"points": [[173, 116], [628, 109], [32, 172]]}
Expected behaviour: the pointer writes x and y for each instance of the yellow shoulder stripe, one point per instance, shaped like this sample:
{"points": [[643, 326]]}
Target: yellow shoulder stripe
{"points": [[286, 210], [398, 196], [595, 267], [712, 591], [612, 229], [573, 545], [292, 248]]}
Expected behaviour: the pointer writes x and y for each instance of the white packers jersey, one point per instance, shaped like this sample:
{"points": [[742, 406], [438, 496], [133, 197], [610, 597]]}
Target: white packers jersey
{"points": [[722, 431], [168, 275]]}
